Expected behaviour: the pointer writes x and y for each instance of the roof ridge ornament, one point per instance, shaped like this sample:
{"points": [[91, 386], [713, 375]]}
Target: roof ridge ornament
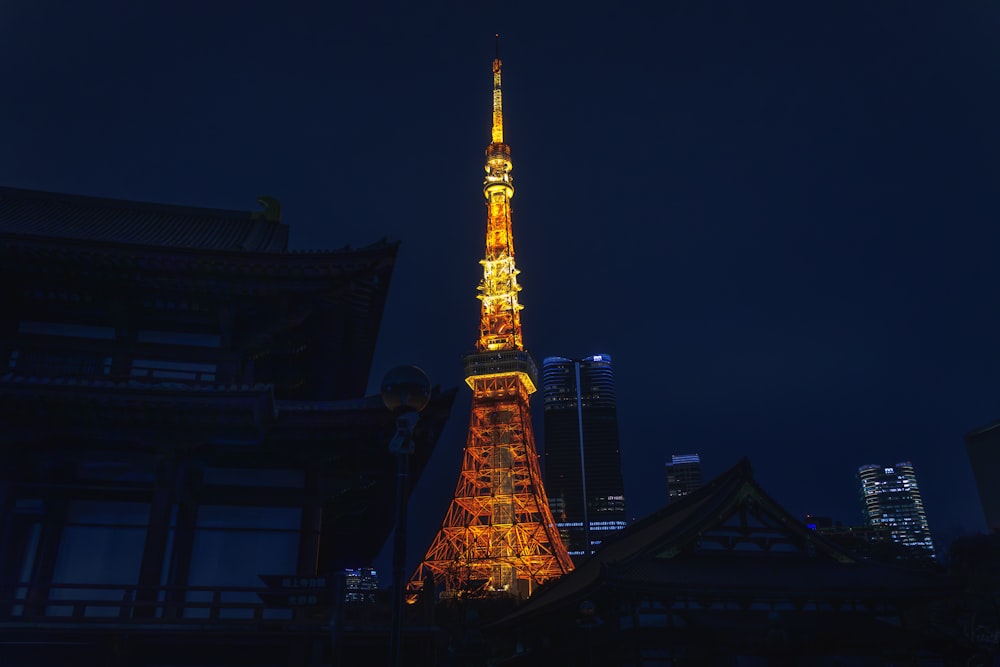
{"points": [[272, 209]]}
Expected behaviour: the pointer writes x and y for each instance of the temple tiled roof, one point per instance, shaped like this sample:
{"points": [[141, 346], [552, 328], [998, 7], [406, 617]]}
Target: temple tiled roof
{"points": [[982, 429], [48, 214], [699, 544]]}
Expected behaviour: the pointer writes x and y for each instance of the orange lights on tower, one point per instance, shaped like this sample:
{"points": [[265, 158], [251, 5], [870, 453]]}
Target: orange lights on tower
{"points": [[498, 534]]}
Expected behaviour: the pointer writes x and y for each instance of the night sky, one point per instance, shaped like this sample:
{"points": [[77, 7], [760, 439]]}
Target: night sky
{"points": [[780, 219]]}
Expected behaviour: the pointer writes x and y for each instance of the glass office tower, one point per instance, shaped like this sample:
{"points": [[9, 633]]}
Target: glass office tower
{"points": [[583, 473], [891, 498], [683, 475]]}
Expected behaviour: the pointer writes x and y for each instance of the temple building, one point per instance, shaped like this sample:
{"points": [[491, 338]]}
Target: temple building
{"points": [[187, 457], [726, 576]]}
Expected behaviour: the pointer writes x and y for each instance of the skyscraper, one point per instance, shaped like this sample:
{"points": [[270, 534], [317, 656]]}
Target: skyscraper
{"points": [[583, 472], [498, 534], [683, 475], [891, 498]]}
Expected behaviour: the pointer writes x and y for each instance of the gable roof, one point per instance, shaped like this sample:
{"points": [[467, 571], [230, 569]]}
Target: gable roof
{"points": [[729, 537], [35, 213]]}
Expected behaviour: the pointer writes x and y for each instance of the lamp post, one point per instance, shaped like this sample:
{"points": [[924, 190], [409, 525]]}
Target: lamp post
{"points": [[405, 391]]}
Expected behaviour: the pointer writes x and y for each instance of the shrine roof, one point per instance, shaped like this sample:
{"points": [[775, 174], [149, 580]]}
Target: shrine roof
{"points": [[676, 550], [982, 430], [55, 215]]}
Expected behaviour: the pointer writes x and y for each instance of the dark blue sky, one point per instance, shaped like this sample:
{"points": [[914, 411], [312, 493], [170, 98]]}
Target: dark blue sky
{"points": [[780, 219]]}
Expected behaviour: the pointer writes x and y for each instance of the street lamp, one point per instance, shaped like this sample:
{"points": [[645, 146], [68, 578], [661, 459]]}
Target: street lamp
{"points": [[405, 391]]}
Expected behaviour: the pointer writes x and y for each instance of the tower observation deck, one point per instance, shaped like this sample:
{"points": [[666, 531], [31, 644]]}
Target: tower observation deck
{"points": [[498, 534]]}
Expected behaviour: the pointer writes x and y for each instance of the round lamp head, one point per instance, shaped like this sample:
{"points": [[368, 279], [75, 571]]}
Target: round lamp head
{"points": [[406, 389]]}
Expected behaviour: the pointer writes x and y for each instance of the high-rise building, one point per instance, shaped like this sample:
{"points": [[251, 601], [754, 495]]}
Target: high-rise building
{"points": [[583, 472], [498, 534], [683, 475], [891, 498]]}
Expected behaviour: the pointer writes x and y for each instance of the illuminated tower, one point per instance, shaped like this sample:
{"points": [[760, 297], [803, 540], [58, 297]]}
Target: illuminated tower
{"points": [[498, 533]]}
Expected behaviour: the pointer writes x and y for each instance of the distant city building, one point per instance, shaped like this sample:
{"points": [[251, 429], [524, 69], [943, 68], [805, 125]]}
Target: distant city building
{"points": [[891, 499], [870, 542], [583, 472], [683, 475], [983, 447]]}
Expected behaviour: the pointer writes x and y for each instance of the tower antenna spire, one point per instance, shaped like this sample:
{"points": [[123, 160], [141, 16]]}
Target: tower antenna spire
{"points": [[497, 98]]}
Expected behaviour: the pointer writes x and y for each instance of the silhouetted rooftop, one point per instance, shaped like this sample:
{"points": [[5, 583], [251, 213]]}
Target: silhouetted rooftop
{"points": [[728, 537], [49, 214]]}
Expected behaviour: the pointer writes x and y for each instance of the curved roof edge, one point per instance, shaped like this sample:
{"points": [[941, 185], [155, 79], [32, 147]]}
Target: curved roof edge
{"points": [[54, 215]]}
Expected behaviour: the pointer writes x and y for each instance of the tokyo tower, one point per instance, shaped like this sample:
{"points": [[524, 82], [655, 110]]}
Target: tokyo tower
{"points": [[498, 535]]}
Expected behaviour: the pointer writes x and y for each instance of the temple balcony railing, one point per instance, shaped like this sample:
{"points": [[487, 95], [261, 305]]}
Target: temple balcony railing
{"points": [[116, 604], [172, 370]]}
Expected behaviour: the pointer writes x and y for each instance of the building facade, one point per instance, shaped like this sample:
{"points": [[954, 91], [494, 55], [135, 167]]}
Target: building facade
{"points": [[187, 457], [583, 471], [682, 474], [890, 498]]}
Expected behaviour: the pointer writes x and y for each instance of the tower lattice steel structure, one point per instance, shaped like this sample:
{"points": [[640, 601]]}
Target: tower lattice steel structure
{"points": [[498, 533]]}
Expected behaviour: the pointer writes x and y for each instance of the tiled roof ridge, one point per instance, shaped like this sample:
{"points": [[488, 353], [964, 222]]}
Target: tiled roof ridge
{"points": [[618, 549], [740, 471], [982, 429], [716, 493], [135, 251], [128, 204], [732, 486], [42, 214]]}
